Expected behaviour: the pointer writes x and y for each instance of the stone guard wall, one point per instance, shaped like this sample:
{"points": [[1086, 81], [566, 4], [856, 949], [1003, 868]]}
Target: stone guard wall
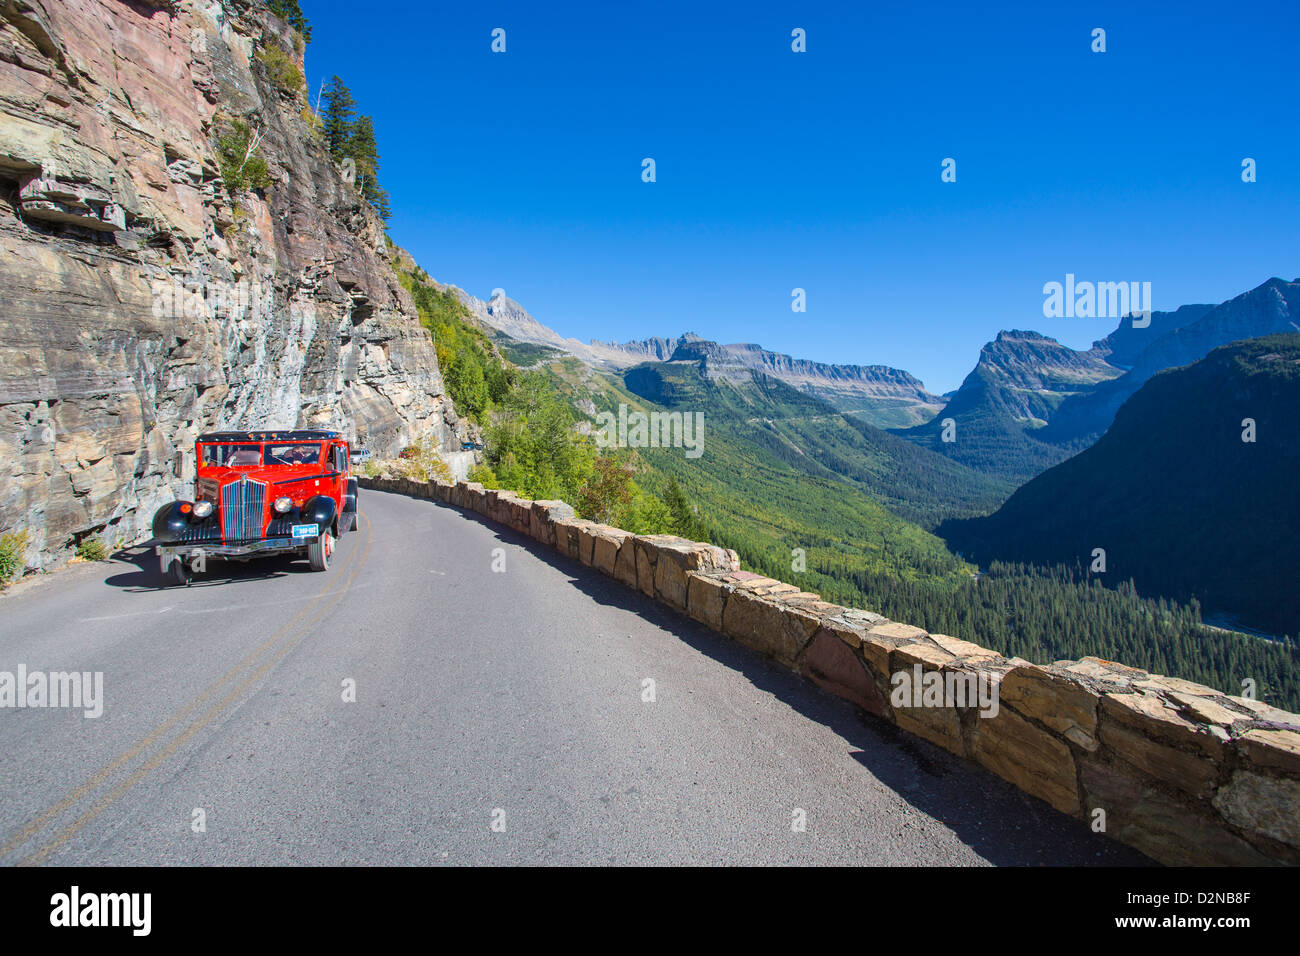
{"points": [[1184, 773]]}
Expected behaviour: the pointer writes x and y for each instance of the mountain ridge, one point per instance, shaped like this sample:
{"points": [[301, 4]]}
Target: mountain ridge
{"points": [[1174, 494], [880, 394], [1271, 307], [1029, 402]]}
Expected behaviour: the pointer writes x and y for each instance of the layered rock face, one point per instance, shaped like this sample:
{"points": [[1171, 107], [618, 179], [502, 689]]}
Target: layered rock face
{"points": [[140, 303], [847, 387], [1186, 336]]}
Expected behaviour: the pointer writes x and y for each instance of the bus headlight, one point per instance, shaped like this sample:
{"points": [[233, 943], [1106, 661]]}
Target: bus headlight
{"points": [[202, 509], [282, 505]]}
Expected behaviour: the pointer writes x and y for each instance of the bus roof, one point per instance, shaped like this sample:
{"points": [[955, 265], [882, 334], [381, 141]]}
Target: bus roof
{"points": [[302, 434]]}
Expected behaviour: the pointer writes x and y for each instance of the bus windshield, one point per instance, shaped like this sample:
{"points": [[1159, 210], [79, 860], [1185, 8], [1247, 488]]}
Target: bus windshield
{"points": [[299, 453], [233, 456], [250, 455]]}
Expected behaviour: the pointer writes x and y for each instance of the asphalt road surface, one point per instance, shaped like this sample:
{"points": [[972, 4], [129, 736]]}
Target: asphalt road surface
{"points": [[499, 718]]}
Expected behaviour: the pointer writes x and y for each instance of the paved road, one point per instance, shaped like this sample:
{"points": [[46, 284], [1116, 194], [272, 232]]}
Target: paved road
{"points": [[481, 695]]}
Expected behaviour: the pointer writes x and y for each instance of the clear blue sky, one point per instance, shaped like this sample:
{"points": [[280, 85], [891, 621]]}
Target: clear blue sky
{"points": [[822, 170]]}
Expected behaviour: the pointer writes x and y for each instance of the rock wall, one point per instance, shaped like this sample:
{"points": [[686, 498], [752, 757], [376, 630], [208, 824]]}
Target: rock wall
{"points": [[140, 303], [1184, 773]]}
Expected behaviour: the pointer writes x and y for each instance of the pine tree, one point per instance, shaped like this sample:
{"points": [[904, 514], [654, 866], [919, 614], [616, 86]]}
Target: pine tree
{"points": [[340, 109], [291, 13], [364, 151], [683, 519]]}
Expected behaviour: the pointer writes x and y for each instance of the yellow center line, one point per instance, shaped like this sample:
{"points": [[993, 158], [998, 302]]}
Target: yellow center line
{"points": [[284, 633]]}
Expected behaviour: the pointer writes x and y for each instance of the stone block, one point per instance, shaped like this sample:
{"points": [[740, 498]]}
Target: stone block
{"points": [[1262, 804], [1028, 757], [1172, 830], [1275, 749], [834, 666], [706, 596], [1053, 700]]}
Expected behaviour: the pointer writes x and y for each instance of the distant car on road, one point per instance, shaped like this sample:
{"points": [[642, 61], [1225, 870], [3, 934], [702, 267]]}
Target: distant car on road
{"points": [[471, 446], [360, 455], [259, 493]]}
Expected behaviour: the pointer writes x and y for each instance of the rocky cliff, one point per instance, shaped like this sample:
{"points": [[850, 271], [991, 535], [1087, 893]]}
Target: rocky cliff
{"points": [[1268, 309], [883, 395], [654, 349], [1123, 346], [143, 299]]}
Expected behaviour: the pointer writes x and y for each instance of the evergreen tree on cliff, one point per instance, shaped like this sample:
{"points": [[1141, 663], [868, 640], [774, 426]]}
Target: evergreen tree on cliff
{"points": [[340, 111], [364, 151], [291, 13]]}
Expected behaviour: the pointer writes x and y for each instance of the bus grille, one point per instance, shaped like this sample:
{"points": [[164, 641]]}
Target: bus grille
{"points": [[243, 504]]}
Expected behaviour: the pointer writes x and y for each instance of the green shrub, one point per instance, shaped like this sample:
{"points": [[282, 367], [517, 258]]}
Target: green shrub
{"points": [[238, 155], [92, 549], [484, 475], [610, 496], [421, 462], [282, 69], [645, 514], [607, 493], [532, 445], [315, 128], [477, 379], [13, 545]]}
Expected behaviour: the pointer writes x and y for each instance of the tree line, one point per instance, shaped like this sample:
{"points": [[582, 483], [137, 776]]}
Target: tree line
{"points": [[1045, 614], [352, 137]]}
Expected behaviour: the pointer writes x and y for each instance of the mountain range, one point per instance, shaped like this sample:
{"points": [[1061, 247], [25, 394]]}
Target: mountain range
{"points": [[1028, 404], [1183, 337], [1025, 417], [772, 419], [783, 470], [1190, 493], [881, 395], [876, 393]]}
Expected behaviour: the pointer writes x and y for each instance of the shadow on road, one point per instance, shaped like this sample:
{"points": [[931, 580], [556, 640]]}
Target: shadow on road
{"points": [[140, 572], [1003, 824]]}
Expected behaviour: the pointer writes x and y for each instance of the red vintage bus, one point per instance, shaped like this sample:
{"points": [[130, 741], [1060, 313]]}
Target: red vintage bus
{"points": [[259, 493]]}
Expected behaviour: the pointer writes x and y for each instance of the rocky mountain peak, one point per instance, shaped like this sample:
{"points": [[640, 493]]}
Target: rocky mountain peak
{"points": [[1025, 359], [1023, 335]]}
